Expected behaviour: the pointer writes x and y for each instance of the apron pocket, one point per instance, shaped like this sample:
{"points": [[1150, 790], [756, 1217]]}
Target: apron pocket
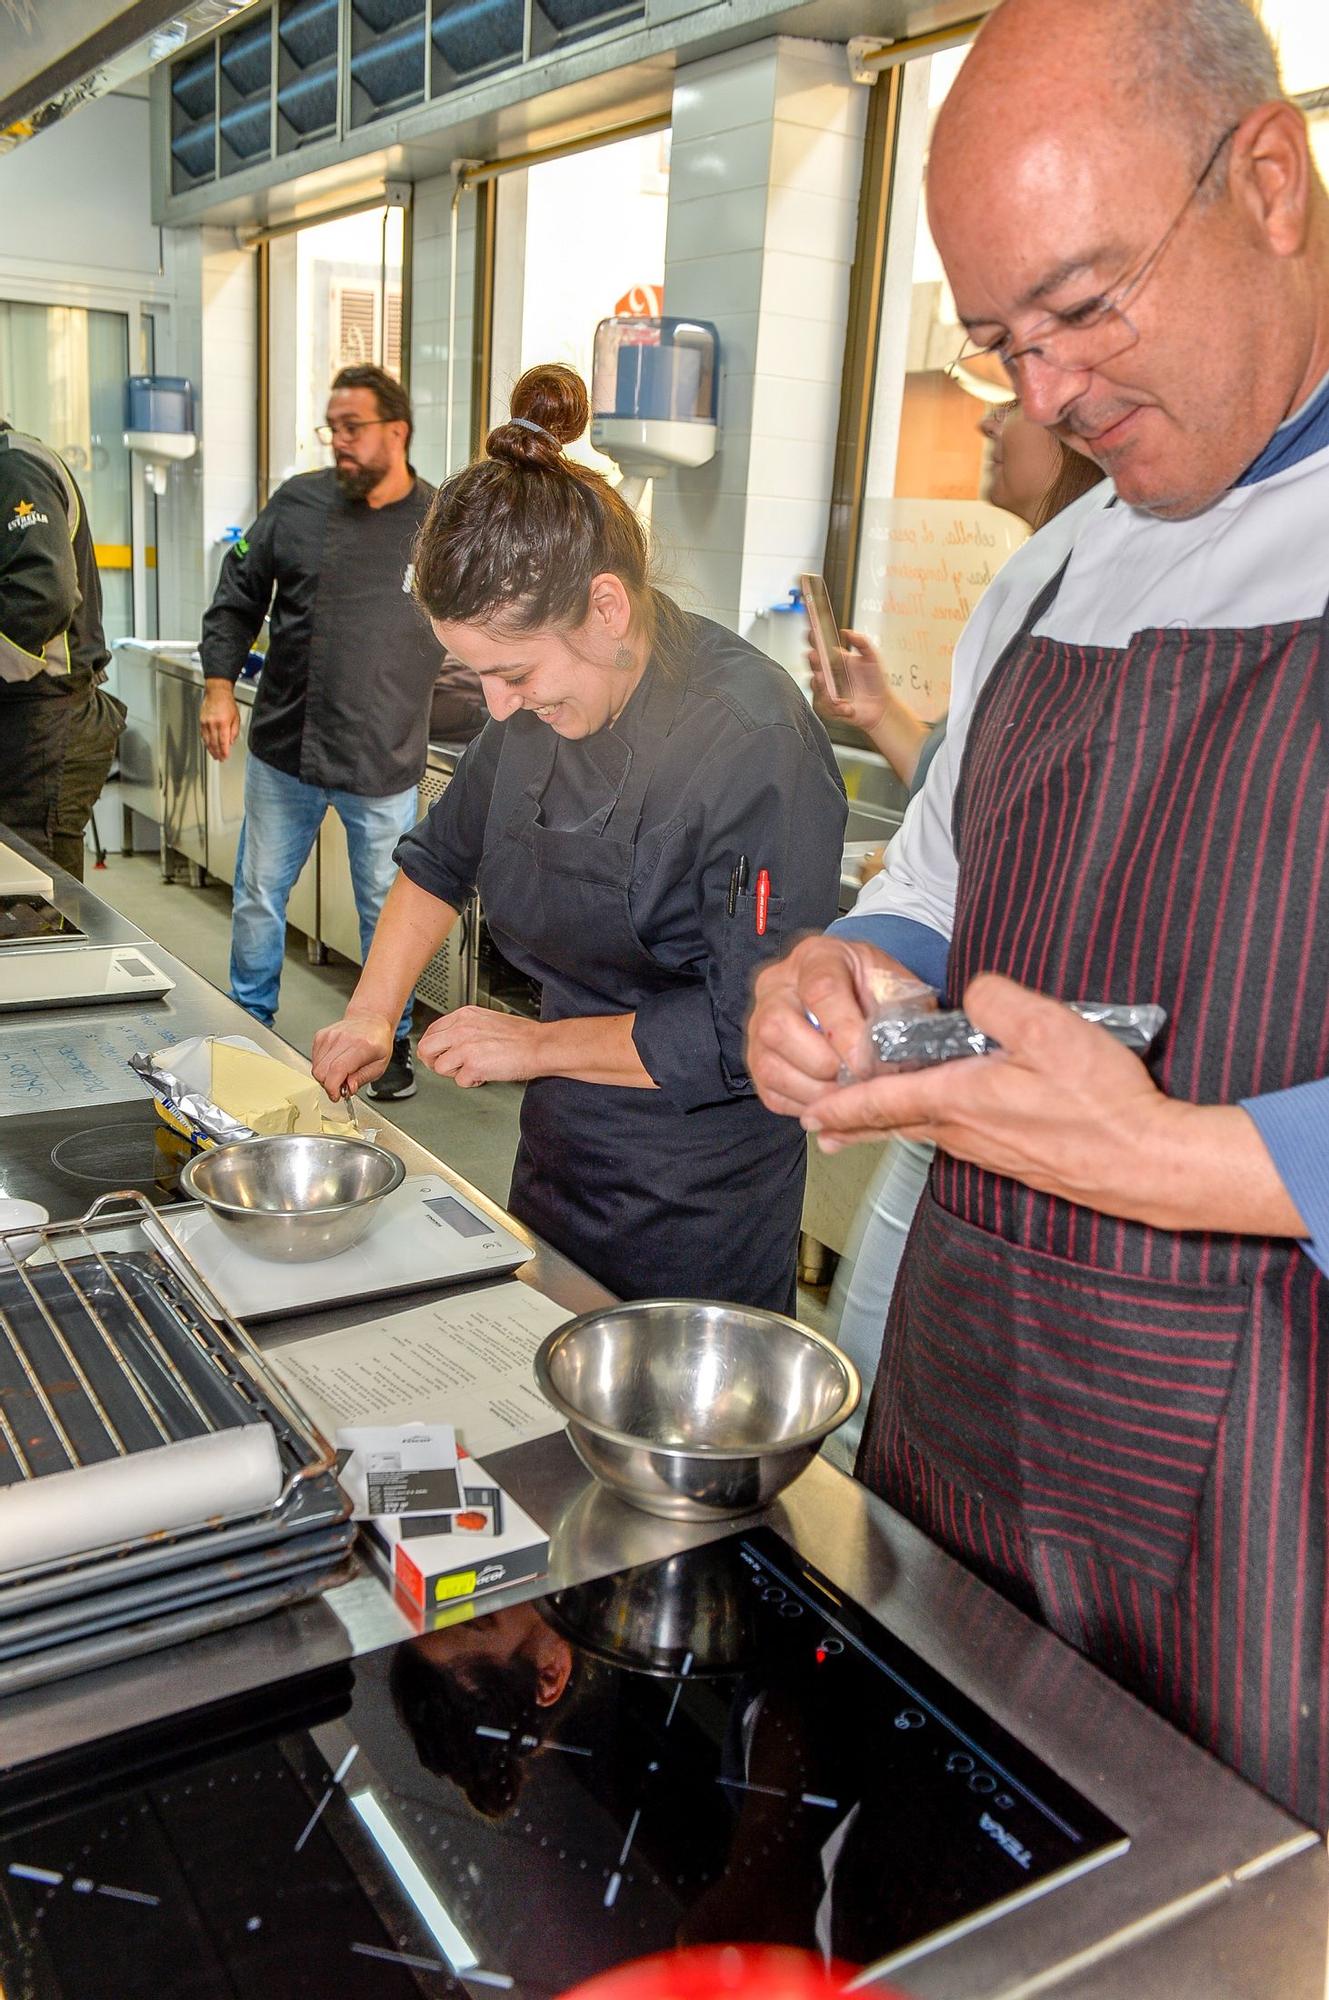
{"points": [[1083, 1405]]}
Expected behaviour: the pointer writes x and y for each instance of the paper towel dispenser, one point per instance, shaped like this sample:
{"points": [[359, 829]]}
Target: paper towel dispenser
{"points": [[653, 393]]}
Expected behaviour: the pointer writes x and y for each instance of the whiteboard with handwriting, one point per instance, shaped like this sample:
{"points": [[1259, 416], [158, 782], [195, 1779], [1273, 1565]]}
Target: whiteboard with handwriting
{"points": [[81, 1062], [924, 566]]}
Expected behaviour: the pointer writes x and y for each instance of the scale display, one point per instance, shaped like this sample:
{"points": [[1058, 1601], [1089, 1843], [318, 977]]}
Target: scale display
{"points": [[713, 1748]]}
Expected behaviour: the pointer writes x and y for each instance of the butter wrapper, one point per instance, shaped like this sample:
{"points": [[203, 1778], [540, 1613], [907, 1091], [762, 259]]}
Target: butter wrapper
{"points": [[179, 1079], [180, 1091]]}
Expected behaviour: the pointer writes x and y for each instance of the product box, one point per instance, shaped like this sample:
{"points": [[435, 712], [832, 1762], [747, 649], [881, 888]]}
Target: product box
{"points": [[490, 1543]]}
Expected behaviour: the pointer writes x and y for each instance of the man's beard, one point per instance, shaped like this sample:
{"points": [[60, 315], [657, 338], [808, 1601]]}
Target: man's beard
{"points": [[358, 481]]}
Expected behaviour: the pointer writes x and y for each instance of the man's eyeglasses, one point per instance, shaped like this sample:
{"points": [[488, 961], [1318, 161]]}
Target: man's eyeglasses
{"points": [[1097, 331], [351, 428]]}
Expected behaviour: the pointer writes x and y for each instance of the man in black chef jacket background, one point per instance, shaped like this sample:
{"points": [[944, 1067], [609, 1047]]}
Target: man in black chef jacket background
{"points": [[341, 717], [58, 728]]}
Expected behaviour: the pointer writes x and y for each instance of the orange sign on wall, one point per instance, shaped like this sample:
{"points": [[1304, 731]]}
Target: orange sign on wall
{"points": [[642, 302]]}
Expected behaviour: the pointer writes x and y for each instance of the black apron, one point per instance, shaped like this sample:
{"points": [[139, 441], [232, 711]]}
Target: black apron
{"points": [[653, 1201], [1126, 1428]]}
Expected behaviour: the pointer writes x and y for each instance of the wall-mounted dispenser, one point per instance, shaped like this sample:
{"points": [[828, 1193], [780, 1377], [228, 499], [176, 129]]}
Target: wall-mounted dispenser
{"points": [[653, 396], [159, 424]]}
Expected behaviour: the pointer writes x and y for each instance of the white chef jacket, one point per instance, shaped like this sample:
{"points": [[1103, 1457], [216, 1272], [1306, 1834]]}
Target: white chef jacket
{"points": [[1259, 556]]}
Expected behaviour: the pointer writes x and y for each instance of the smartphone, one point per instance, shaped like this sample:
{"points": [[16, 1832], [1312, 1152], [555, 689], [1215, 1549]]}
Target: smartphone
{"points": [[826, 637]]}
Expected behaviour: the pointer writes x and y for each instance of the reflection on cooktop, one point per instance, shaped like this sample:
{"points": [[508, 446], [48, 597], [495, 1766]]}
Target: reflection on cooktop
{"points": [[66, 1159], [716, 1748], [120, 1157], [32, 920]]}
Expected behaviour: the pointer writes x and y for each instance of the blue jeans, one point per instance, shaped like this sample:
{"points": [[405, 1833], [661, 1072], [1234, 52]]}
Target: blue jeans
{"points": [[281, 823]]}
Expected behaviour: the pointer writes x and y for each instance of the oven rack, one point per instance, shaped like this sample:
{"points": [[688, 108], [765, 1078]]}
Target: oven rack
{"points": [[110, 1344]]}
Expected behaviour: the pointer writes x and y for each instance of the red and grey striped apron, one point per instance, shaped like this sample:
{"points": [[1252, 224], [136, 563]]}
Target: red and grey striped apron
{"points": [[1125, 1428]]}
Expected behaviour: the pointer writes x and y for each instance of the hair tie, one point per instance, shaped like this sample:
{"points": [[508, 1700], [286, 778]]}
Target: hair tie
{"points": [[529, 424]]}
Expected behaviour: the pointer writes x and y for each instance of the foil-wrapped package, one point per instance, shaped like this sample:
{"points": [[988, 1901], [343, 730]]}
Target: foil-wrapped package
{"points": [[185, 1108], [906, 1031]]}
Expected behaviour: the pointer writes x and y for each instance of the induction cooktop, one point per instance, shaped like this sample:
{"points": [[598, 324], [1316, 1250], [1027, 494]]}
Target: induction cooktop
{"points": [[66, 1159], [718, 1747], [32, 919]]}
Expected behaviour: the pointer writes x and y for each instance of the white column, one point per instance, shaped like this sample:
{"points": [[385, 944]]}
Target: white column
{"points": [[767, 153]]}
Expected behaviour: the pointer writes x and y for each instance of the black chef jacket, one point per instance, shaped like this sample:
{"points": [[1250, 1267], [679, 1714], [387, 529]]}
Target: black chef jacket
{"points": [[343, 699], [746, 769], [49, 581]]}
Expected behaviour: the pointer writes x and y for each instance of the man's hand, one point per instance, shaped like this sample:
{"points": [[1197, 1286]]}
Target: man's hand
{"points": [[1065, 1109], [219, 721], [480, 1045], [791, 1061], [351, 1053]]}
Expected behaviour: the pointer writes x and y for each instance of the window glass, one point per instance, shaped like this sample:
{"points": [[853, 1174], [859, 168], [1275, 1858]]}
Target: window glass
{"points": [[1300, 29], [335, 298], [62, 379], [931, 541], [578, 240]]}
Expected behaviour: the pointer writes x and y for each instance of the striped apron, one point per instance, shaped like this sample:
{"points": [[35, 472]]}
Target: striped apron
{"points": [[1124, 1428]]}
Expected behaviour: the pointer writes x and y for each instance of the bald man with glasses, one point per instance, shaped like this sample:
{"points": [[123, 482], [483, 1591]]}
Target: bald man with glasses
{"points": [[341, 716], [1105, 1377]]}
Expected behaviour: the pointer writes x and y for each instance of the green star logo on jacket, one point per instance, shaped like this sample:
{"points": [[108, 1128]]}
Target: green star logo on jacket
{"points": [[242, 547]]}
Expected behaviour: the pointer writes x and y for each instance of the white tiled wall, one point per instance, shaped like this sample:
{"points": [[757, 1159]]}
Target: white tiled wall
{"points": [[767, 150]]}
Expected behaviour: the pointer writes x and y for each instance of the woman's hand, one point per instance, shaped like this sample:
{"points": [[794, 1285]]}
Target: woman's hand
{"points": [[480, 1045], [874, 707], [866, 706], [351, 1052]]}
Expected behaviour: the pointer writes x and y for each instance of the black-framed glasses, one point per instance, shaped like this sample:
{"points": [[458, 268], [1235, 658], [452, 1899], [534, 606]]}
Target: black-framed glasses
{"points": [[351, 428], [1096, 332]]}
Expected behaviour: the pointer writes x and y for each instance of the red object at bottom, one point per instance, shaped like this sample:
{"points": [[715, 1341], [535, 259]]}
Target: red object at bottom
{"points": [[724, 1972]]}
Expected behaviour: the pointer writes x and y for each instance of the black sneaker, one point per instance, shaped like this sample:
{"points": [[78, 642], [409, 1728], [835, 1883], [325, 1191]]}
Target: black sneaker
{"points": [[398, 1079]]}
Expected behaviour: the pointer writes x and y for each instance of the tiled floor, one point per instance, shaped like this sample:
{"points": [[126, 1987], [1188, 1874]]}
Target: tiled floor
{"points": [[475, 1131]]}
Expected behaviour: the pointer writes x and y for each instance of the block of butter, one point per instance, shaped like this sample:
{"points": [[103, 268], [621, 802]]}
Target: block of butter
{"points": [[271, 1097]]}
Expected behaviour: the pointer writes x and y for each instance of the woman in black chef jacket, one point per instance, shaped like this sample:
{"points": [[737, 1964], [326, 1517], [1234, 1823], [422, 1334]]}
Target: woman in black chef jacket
{"points": [[651, 811]]}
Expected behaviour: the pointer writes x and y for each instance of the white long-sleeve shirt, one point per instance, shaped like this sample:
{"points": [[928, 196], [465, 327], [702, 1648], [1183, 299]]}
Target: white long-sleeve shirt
{"points": [[1257, 557]]}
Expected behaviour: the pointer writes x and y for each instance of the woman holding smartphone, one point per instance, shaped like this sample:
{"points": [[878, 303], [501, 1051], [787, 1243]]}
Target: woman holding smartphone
{"points": [[651, 810]]}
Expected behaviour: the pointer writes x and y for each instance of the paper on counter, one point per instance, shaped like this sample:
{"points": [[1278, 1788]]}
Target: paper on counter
{"points": [[58, 1069], [406, 1468], [462, 1360]]}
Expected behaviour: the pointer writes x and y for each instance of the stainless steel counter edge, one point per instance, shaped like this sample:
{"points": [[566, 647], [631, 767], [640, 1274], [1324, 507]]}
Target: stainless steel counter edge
{"points": [[1221, 1895]]}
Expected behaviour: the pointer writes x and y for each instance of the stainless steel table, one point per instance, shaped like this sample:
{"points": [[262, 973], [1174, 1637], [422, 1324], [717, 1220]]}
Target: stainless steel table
{"points": [[1222, 1896]]}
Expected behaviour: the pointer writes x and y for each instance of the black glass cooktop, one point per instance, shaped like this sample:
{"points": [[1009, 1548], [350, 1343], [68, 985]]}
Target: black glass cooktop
{"points": [[66, 1159], [32, 920], [714, 1748]]}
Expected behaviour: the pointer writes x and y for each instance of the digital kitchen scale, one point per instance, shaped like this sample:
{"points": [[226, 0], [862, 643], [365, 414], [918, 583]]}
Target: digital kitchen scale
{"points": [[84, 978], [425, 1234], [714, 1748]]}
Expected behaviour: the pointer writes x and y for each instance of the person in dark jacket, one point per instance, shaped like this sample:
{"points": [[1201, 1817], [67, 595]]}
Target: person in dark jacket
{"points": [[341, 717], [652, 807], [58, 727]]}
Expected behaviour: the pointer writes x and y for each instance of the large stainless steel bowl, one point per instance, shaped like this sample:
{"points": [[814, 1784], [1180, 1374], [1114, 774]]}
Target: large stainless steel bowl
{"points": [[294, 1199], [693, 1409]]}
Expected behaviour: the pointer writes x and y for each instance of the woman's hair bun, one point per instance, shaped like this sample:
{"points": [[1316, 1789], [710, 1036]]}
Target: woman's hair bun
{"points": [[552, 396]]}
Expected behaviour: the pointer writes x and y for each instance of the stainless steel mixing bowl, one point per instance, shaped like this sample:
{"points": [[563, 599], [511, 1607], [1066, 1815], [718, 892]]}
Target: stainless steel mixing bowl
{"points": [[294, 1199], [693, 1409]]}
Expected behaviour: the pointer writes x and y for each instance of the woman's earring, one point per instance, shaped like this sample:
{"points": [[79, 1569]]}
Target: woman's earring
{"points": [[623, 656]]}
